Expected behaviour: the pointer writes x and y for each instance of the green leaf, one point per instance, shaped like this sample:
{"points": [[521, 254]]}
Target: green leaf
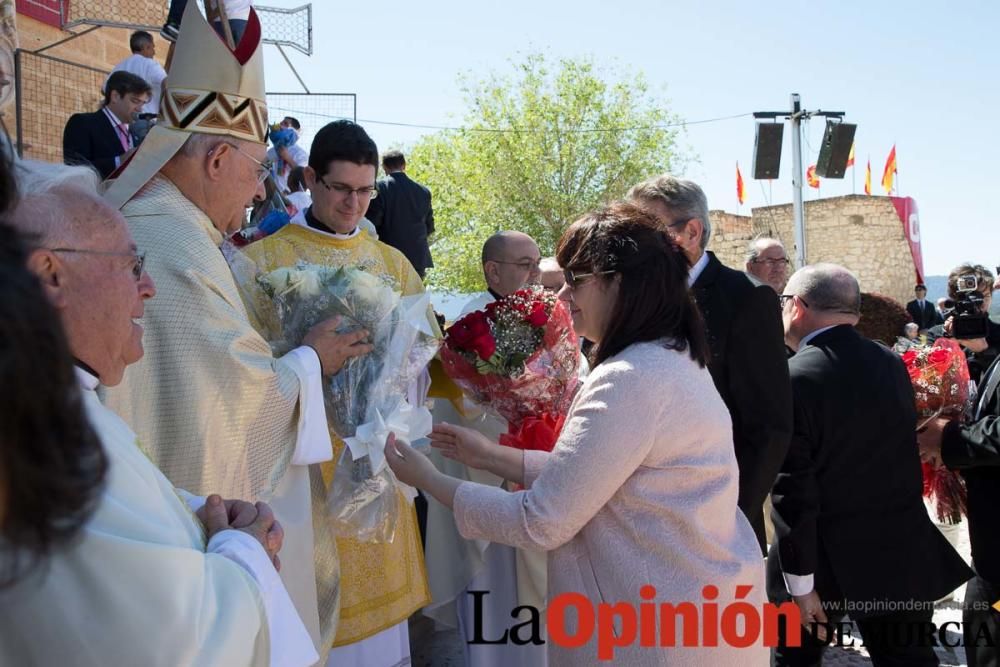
{"points": [[542, 173]]}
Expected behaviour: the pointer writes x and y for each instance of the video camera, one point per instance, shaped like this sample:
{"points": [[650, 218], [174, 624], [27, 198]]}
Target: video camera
{"points": [[968, 320]]}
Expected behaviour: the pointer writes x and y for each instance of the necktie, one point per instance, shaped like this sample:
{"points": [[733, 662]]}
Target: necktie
{"points": [[121, 130]]}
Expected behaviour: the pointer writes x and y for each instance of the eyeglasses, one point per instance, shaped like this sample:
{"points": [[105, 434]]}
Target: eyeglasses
{"points": [[263, 168], [785, 298], [139, 259], [770, 262], [574, 279], [524, 266], [345, 191]]}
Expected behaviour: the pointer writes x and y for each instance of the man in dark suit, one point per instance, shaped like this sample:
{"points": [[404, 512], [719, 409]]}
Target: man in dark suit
{"points": [[853, 535], [974, 449], [100, 138], [402, 212], [921, 310], [743, 323]]}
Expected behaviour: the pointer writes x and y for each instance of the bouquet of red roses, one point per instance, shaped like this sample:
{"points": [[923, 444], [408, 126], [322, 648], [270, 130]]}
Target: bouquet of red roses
{"points": [[520, 357], [940, 377]]}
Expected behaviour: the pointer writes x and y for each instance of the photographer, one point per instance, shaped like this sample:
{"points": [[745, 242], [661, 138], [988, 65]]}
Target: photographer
{"points": [[970, 293]]}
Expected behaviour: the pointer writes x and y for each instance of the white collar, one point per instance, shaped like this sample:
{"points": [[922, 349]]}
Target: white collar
{"points": [[87, 381], [300, 220], [812, 334], [114, 119], [698, 267]]}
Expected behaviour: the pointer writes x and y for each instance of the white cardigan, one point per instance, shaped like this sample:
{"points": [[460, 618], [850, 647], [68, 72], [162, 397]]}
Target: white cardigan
{"points": [[640, 489]]}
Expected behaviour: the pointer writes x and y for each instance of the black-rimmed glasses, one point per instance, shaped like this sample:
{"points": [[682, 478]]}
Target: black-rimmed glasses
{"points": [[368, 192], [139, 258], [785, 298]]}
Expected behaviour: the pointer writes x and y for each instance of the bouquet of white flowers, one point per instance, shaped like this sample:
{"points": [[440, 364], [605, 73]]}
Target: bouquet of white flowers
{"points": [[366, 399]]}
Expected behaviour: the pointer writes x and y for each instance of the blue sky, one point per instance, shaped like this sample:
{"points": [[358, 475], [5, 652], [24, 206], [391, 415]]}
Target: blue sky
{"points": [[922, 75]]}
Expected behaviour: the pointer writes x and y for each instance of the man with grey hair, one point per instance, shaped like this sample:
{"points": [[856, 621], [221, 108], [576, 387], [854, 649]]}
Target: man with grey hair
{"points": [[767, 262], [748, 363], [143, 559], [213, 406], [852, 532]]}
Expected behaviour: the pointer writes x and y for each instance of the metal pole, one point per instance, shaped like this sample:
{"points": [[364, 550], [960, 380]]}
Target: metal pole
{"points": [[292, 67], [798, 211], [19, 102]]}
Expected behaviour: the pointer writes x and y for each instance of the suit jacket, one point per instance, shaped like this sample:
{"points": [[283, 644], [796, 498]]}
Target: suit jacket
{"points": [[975, 450], [925, 317], [847, 503], [750, 370], [89, 138], [403, 217]]}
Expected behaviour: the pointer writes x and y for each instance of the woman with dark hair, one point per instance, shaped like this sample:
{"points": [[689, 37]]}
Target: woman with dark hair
{"points": [[52, 465], [637, 501]]}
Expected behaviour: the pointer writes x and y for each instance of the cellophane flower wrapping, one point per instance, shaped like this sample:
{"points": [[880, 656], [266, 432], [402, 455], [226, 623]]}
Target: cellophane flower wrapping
{"points": [[367, 397], [520, 358], [940, 378]]}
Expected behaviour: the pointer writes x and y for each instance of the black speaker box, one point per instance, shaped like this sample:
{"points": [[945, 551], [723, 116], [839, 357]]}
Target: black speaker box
{"points": [[767, 150], [836, 148]]}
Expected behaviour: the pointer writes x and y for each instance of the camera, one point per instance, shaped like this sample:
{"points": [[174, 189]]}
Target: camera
{"points": [[968, 320]]}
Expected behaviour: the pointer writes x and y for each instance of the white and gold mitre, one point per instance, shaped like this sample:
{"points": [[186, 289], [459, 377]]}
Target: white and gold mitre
{"points": [[210, 89]]}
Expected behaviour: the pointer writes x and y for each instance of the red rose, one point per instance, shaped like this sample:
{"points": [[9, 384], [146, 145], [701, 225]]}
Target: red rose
{"points": [[463, 334], [908, 357], [938, 356], [484, 346], [538, 316]]}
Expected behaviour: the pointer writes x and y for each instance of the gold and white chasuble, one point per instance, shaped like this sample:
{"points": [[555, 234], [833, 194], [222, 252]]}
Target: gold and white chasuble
{"points": [[381, 584], [215, 411]]}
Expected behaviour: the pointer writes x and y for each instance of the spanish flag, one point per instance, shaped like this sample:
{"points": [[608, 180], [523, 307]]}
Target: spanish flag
{"points": [[868, 178], [811, 177], [741, 192], [850, 158], [890, 170]]}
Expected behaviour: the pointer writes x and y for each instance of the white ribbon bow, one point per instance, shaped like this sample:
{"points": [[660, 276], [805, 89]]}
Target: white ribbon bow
{"points": [[407, 422]]}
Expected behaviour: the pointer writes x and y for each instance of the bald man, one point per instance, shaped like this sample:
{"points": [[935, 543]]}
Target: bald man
{"points": [[848, 513], [456, 566], [510, 261], [550, 274]]}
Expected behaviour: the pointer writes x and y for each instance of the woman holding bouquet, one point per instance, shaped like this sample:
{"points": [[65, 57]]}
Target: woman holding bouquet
{"points": [[641, 487]]}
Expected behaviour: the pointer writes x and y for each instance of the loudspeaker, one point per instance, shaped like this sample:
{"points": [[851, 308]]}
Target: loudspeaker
{"points": [[767, 150], [836, 148]]}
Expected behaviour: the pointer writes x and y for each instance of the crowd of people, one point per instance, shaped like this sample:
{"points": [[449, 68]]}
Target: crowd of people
{"points": [[164, 473]]}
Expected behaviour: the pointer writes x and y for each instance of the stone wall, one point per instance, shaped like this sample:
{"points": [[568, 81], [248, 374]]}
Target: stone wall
{"points": [[857, 231], [52, 91]]}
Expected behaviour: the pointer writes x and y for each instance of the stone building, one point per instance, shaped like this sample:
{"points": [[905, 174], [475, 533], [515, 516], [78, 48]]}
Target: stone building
{"points": [[860, 232], [67, 78]]}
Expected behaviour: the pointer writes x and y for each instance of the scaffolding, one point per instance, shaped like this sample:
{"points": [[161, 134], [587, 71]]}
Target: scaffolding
{"points": [[49, 90], [312, 110]]}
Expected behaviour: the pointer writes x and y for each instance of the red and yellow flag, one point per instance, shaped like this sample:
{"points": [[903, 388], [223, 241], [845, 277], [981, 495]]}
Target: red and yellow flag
{"points": [[741, 192], [811, 177], [890, 170], [850, 158], [868, 178]]}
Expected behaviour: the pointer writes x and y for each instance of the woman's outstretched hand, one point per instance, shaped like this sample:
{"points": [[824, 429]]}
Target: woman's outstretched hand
{"points": [[463, 445], [410, 466]]}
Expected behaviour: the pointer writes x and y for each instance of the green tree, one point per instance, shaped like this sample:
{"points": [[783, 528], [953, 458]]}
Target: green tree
{"points": [[537, 149]]}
